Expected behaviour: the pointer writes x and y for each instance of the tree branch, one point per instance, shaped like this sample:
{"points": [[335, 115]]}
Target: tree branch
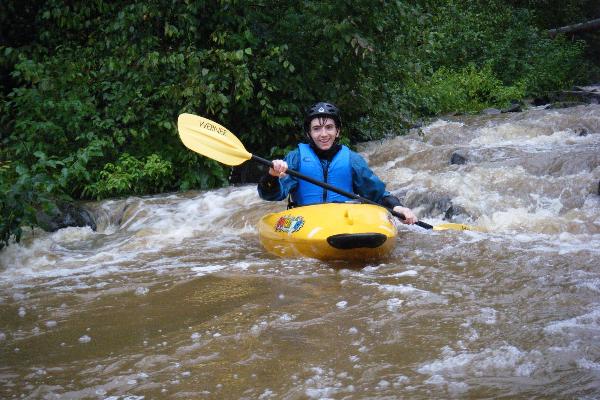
{"points": [[581, 27]]}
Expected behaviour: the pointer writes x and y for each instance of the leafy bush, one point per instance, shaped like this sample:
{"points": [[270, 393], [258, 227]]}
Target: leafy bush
{"points": [[554, 65], [23, 192], [466, 90], [131, 176], [522, 54]]}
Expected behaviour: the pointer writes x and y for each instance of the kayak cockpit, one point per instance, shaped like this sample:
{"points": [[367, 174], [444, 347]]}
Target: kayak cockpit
{"points": [[347, 241]]}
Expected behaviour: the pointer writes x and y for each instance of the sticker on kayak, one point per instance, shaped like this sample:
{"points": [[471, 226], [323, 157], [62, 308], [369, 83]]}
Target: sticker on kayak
{"points": [[289, 224]]}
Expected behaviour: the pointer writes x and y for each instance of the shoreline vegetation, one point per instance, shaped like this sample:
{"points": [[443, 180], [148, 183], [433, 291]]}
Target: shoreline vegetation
{"points": [[90, 91]]}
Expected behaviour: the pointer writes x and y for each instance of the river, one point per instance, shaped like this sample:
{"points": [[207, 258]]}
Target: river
{"points": [[173, 297]]}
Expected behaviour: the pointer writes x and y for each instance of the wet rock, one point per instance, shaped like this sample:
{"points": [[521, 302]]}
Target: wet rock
{"points": [[417, 124], [591, 88], [247, 173], [428, 203], [565, 104], [540, 101], [458, 159], [65, 215], [514, 107], [491, 111], [581, 132], [456, 213], [431, 204], [579, 95], [585, 94]]}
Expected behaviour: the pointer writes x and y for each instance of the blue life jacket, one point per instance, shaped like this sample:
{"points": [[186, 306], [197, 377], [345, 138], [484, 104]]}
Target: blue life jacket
{"points": [[338, 174]]}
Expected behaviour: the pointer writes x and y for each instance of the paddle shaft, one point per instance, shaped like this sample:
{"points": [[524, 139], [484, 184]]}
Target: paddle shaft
{"points": [[337, 190], [214, 141]]}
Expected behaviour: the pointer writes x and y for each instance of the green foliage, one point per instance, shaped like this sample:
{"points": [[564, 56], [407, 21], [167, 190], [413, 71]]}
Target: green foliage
{"points": [[506, 39], [90, 90], [556, 13], [555, 64], [467, 90], [130, 175], [23, 192]]}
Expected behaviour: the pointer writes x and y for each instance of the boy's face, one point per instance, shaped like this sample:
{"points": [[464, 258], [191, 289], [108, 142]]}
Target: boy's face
{"points": [[323, 132]]}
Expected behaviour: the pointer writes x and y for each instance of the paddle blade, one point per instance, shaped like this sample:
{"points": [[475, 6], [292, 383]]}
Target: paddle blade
{"points": [[210, 139], [456, 227]]}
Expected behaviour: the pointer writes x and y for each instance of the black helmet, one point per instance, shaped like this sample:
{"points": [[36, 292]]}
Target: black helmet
{"points": [[322, 109]]}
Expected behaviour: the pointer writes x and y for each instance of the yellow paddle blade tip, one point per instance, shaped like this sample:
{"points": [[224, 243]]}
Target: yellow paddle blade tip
{"points": [[210, 139], [457, 227]]}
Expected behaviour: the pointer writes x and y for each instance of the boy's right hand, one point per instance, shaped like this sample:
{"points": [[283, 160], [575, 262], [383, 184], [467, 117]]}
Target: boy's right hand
{"points": [[278, 168]]}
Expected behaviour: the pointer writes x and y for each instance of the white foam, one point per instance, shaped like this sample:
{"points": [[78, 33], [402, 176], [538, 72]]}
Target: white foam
{"points": [[142, 291], [441, 124], [267, 394], [487, 316], [85, 339], [341, 304], [405, 273], [591, 284], [511, 134], [589, 321], [403, 289], [153, 226], [207, 269], [413, 293], [394, 304], [327, 383], [503, 361], [584, 363]]}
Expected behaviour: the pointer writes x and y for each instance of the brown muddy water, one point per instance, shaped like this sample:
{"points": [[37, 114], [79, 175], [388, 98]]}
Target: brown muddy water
{"points": [[173, 297]]}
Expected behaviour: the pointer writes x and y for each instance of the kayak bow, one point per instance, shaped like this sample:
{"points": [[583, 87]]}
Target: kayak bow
{"points": [[332, 231]]}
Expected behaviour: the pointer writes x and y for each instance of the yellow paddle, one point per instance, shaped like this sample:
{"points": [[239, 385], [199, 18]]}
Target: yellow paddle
{"points": [[212, 140]]}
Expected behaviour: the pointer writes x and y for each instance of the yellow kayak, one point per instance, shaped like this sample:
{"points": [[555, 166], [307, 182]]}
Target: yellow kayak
{"points": [[331, 231]]}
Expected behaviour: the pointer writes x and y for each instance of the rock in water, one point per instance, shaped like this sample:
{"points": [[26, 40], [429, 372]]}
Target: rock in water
{"points": [[65, 215]]}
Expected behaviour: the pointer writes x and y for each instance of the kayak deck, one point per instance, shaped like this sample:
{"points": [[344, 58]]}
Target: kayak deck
{"points": [[330, 231]]}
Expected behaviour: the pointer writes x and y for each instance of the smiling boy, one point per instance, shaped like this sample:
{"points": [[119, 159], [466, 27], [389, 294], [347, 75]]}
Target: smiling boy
{"points": [[324, 159]]}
